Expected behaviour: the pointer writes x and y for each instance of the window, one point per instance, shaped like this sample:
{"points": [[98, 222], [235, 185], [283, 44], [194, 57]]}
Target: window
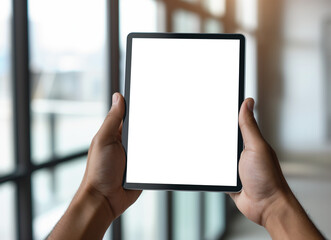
{"points": [[6, 100], [7, 208], [186, 215], [52, 191], [60, 61], [68, 98], [7, 163], [306, 64], [68, 75], [58, 82]]}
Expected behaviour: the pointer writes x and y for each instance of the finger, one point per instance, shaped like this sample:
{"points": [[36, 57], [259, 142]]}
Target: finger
{"points": [[249, 129], [108, 133]]}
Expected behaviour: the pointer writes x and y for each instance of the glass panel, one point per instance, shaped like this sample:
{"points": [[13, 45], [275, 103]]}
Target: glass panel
{"points": [[184, 21], [186, 214], [146, 219], [6, 113], [138, 16], [7, 210], [306, 81], [52, 191], [213, 26], [247, 14], [214, 224], [68, 70], [216, 7]]}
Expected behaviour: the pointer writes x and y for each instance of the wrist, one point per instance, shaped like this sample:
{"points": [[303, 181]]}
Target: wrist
{"points": [[93, 212], [94, 201], [88, 217], [286, 219], [276, 209], [280, 216]]}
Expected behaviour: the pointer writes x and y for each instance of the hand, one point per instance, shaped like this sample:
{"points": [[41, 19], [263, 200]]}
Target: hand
{"points": [[259, 170], [106, 162], [100, 198], [266, 198]]}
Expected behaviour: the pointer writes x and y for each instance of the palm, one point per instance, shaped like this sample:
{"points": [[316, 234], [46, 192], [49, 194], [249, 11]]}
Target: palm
{"points": [[259, 170], [259, 183], [106, 174]]}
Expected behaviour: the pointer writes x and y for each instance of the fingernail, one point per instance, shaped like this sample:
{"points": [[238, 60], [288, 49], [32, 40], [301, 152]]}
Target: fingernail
{"points": [[115, 98], [250, 105]]}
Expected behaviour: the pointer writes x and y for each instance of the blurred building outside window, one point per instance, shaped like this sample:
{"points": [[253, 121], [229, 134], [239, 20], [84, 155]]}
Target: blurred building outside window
{"points": [[68, 75], [7, 166], [305, 97], [6, 93]]}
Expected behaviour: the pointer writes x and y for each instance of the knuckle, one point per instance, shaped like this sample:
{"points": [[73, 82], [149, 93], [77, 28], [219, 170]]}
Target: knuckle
{"points": [[112, 139], [262, 145], [247, 121], [102, 141], [250, 120]]}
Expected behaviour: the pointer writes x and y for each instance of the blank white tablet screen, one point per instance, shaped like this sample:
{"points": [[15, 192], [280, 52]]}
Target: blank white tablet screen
{"points": [[183, 113]]}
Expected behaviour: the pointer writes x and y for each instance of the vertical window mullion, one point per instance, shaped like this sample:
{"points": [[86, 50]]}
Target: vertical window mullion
{"points": [[21, 90], [202, 214], [113, 46], [113, 74], [170, 216]]}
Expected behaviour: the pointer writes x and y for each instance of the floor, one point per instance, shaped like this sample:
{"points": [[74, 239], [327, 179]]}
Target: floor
{"points": [[311, 184]]}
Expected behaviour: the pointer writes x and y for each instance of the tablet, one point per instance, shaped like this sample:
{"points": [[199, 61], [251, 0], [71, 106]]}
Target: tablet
{"points": [[182, 94]]}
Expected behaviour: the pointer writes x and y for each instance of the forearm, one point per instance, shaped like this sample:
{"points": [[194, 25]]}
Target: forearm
{"points": [[88, 217], [288, 220]]}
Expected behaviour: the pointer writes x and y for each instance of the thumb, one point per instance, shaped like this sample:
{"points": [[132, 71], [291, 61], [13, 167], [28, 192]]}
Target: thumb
{"points": [[108, 133], [249, 129]]}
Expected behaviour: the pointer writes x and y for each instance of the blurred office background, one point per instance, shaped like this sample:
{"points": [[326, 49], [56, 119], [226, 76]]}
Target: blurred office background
{"points": [[60, 61]]}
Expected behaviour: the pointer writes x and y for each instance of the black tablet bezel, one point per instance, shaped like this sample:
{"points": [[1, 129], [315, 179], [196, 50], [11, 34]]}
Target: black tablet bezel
{"points": [[158, 186]]}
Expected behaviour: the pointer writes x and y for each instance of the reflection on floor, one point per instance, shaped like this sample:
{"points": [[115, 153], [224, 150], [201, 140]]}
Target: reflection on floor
{"points": [[311, 184]]}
